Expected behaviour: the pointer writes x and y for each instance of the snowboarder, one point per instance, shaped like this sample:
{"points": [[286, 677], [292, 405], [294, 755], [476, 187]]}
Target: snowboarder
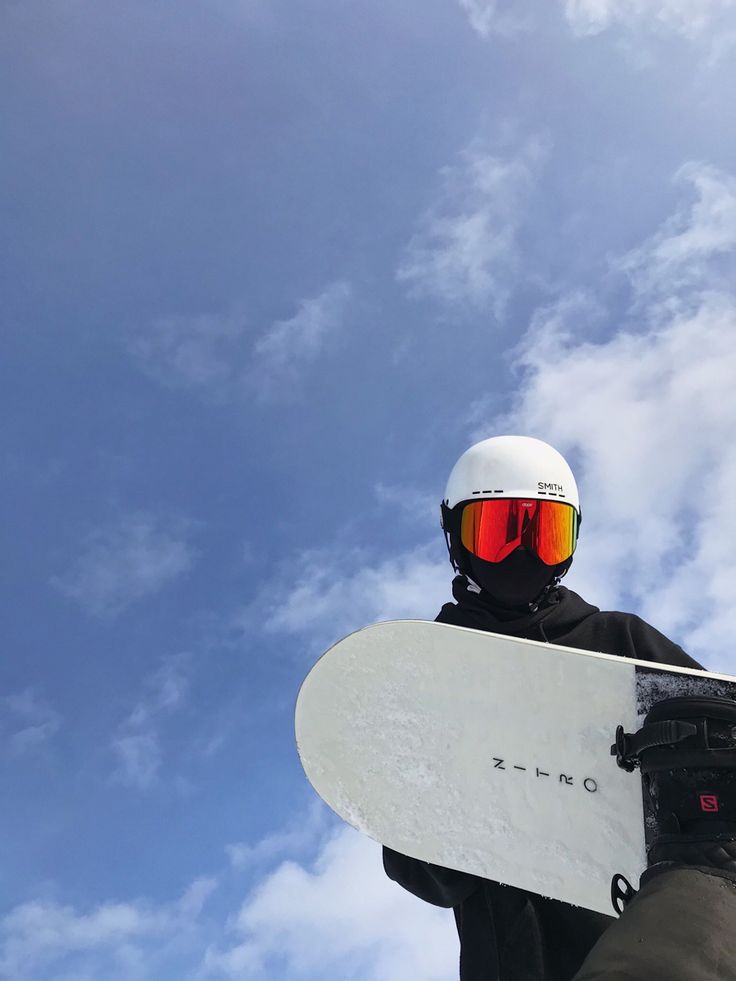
{"points": [[511, 517]]}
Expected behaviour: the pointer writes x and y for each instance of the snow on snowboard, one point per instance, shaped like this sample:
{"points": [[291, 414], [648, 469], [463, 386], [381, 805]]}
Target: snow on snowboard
{"points": [[486, 753]]}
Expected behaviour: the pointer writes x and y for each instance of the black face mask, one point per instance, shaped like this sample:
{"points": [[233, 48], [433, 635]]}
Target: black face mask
{"points": [[517, 581]]}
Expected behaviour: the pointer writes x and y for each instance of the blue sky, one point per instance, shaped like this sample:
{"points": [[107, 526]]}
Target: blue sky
{"points": [[267, 270]]}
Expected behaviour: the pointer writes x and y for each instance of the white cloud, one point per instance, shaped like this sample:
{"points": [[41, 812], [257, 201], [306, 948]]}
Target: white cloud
{"points": [[204, 352], [117, 941], [289, 346], [649, 417], [305, 922], [689, 18], [137, 743], [342, 917], [465, 249], [26, 721], [125, 562]]}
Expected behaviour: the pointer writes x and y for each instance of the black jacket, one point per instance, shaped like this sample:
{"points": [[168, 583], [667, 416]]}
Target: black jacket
{"points": [[508, 934]]}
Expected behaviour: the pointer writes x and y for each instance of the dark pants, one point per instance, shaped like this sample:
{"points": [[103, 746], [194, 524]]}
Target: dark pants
{"points": [[681, 926]]}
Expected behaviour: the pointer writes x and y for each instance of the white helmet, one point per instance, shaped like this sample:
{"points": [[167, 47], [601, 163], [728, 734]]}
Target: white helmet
{"points": [[511, 466], [505, 466]]}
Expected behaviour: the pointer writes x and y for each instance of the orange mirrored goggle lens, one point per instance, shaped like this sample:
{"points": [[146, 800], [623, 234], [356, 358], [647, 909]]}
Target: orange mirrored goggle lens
{"points": [[493, 529]]}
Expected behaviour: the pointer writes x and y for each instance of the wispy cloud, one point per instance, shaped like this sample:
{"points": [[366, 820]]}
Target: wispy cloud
{"points": [[417, 506], [681, 258], [214, 355], [26, 721], [288, 347], [689, 18], [465, 249], [309, 923], [137, 743], [329, 593], [300, 835], [124, 562], [649, 417], [207, 353], [489, 17], [721, 46]]}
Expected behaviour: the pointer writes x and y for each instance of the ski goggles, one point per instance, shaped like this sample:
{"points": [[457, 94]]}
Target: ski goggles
{"points": [[492, 529]]}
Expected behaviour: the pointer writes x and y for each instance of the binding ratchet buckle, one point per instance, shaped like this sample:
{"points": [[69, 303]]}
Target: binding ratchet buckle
{"points": [[622, 892], [629, 745]]}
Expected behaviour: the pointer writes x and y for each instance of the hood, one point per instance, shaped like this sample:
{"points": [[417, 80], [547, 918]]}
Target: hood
{"points": [[561, 612]]}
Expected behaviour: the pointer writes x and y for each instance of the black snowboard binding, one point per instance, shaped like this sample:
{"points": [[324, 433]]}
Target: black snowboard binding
{"points": [[686, 751]]}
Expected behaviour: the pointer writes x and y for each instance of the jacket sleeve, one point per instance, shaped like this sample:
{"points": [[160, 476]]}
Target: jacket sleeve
{"points": [[432, 883], [679, 926]]}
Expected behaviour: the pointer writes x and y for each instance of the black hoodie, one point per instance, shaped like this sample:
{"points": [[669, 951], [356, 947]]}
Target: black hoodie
{"points": [[508, 934]]}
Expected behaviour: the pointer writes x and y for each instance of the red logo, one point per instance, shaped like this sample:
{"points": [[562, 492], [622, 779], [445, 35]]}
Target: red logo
{"points": [[709, 803]]}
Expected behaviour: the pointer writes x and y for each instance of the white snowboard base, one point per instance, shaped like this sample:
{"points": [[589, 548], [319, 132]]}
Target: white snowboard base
{"points": [[486, 753]]}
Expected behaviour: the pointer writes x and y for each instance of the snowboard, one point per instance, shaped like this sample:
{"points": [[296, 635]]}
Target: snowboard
{"points": [[486, 753]]}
